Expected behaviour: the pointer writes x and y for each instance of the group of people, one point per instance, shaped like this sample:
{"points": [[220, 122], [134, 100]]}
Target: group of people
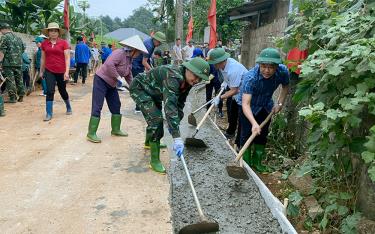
{"points": [[248, 93]]}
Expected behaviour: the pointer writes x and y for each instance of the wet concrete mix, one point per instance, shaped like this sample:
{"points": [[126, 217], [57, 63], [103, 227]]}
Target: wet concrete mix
{"points": [[236, 205]]}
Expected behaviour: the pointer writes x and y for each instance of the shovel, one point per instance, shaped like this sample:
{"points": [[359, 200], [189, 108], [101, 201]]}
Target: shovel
{"points": [[238, 172], [204, 225], [191, 119], [198, 142]]}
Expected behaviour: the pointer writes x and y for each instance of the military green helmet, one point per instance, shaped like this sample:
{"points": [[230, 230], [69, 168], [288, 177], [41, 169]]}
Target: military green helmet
{"points": [[217, 55], [159, 36], [199, 67], [4, 25], [269, 56]]}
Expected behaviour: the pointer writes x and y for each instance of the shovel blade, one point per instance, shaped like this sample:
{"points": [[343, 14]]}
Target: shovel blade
{"points": [[192, 120], [201, 227], [236, 171], [197, 143]]}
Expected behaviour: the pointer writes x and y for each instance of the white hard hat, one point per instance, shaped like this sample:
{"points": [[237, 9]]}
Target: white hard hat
{"points": [[134, 42]]}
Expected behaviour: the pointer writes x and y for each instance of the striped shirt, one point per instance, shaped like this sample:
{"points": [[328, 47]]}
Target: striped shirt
{"points": [[261, 89]]}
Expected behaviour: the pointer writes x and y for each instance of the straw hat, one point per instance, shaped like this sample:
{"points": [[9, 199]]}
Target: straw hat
{"points": [[134, 42], [53, 25]]}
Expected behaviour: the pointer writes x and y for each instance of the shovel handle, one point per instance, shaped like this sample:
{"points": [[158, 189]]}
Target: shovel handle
{"points": [[208, 111], [200, 211], [251, 138], [200, 108]]}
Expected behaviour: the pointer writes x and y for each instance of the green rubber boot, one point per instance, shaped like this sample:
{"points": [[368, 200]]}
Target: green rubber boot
{"points": [[259, 153], [116, 123], [2, 111], [147, 141], [12, 99], [155, 163], [93, 127], [247, 157]]}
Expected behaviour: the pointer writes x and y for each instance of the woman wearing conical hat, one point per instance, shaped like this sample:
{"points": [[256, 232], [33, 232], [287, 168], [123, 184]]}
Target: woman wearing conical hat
{"points": [[116, 68]]}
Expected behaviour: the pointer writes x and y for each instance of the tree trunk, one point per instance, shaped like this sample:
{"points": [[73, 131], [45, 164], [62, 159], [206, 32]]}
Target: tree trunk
{"points": [[179, 18]]}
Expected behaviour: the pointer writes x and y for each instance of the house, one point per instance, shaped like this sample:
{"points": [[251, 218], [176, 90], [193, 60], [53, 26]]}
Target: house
{"points": [[123, 33], [266, 19]]}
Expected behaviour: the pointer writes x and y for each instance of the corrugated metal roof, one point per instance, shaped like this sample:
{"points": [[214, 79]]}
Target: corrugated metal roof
{"points": [[123, 33], [250, 9]]}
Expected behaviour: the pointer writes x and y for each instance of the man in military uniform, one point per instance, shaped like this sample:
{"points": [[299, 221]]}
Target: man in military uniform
{"points": [[11, 49], [171, 85]]}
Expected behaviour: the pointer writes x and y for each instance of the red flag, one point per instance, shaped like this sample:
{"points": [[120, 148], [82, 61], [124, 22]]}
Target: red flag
{"points": [[66, 14], [295, 58], [212, 20], [189, 35]]}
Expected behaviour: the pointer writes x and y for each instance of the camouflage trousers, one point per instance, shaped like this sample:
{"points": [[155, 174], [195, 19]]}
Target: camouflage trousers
{"points": [[14, 81], [151, 110]]}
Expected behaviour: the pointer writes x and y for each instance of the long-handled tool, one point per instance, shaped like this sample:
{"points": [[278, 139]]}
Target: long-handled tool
{"points": [[238, 172], [191, 119], [204, 225], [244, 176], [198, 142], [2, 79]]}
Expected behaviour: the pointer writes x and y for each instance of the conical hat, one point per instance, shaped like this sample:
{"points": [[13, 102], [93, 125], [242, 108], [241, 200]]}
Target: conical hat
{"points": [[134, 42]]}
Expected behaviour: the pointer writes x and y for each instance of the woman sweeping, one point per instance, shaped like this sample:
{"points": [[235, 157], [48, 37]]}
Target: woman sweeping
{"points": [[117, 67], [54, 67], [170, 85]]}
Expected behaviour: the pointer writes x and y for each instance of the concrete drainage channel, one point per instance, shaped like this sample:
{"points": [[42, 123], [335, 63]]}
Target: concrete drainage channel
{"points": [[239, 206]]}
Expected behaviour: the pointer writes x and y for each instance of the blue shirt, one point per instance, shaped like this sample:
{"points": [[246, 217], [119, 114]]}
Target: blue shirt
{"points": [[72, 62], [261, 89], [82, 53], [137, 62], [106, 52]]}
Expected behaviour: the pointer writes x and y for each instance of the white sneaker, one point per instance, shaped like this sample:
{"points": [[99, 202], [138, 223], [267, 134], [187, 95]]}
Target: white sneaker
{"points": [[42, 94]]}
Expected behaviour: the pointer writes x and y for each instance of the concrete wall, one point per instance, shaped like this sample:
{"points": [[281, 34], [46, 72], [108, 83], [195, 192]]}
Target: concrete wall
{"points": [[271, 25]]}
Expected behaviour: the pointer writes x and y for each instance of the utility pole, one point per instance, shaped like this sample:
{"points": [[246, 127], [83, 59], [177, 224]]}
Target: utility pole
{"points": [[179, 18]]}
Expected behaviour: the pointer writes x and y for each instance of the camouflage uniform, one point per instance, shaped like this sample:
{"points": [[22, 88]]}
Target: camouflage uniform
{"points": [[12, 47], [161, 84]]}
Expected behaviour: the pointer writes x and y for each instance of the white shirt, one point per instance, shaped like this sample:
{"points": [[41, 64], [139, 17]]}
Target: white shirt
{"points": [[233, 73], [188, 52], [177, 55], [95, 53]]}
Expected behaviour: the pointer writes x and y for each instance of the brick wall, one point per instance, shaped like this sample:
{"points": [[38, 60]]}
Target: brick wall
{"points": [[256, 39]]}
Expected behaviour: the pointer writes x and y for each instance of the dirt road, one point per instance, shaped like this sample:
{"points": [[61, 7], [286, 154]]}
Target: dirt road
{"points": [[54, 181]]}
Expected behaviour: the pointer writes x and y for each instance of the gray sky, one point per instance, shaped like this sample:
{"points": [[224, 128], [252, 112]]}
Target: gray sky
{"points": [[113, 8]]}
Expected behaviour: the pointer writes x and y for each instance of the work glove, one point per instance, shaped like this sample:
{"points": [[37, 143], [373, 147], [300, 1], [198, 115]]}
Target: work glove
{"points": [[121, 80], [178, 146], [216, 101]]}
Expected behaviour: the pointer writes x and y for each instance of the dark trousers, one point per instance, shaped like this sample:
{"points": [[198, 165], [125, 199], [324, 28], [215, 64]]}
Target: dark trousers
{"points": [[51, 80], [232, 110], [81, 67], [26, 78], [101, 90], [239, 127], [214, 84], [246, 128]]}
